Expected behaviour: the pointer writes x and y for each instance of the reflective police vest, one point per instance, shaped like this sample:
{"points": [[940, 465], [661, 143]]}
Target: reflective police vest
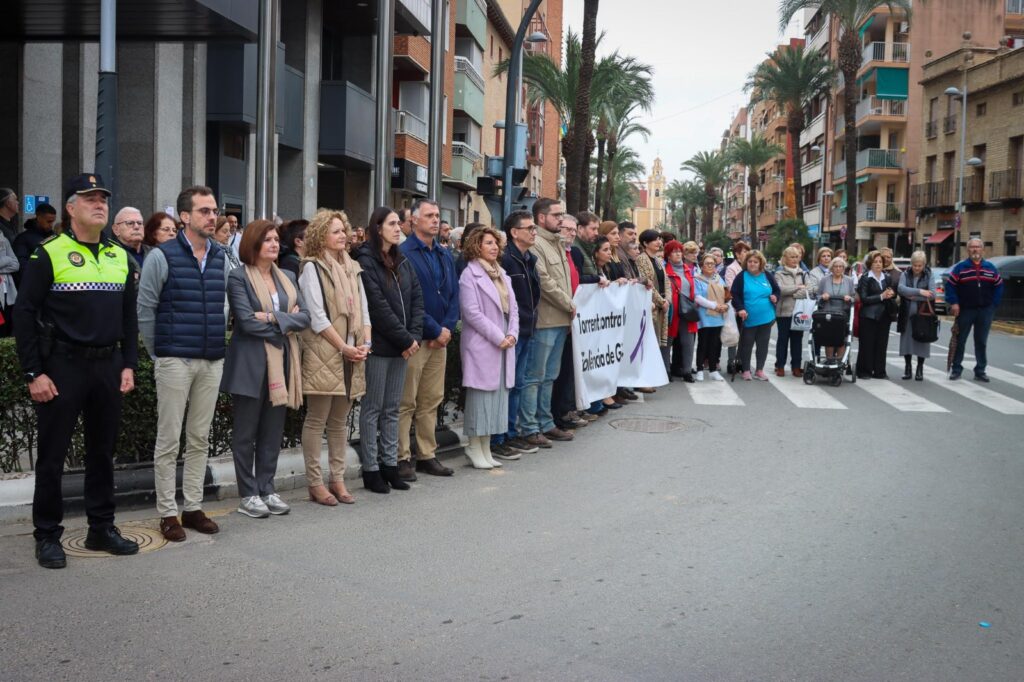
{"points": [[75, 269]]}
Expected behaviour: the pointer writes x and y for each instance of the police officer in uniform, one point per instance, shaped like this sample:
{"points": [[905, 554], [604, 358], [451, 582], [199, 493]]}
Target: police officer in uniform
{"points": [[77, 336]]}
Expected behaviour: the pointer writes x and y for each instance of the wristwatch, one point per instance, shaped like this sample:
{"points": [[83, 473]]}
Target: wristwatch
{"points": [[31, 376]]}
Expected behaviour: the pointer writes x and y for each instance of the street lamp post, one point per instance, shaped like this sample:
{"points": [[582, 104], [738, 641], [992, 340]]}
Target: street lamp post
{"points": [[512, 88], [951, 91]]}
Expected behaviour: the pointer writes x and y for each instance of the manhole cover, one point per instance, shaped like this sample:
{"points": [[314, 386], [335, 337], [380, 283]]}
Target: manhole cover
{"points": [[649, 424], [149, 540]]}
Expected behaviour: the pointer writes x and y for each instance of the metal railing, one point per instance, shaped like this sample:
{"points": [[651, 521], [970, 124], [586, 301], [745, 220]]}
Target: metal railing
{"points": [[974, 189], [1006, 185], [879, 212], [886, 52], [409, 123], [1015, 6], [463, 149], [467, 67], [931, 129], [949, 124], [811, 164], [879, 158], [873, 106], [932, 194]]}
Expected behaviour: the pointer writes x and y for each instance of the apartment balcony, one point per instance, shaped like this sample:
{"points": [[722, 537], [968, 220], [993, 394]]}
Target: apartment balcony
{"points": [[873, 159], [931, 130], [811, 172], [873, 106], [412, 17], [812, 214], [408, 123], [469, 90], [347, 122], [933, 195], [472, 15], [466, 165], [1007, 186], [885, 52], [949, 124], [974, 190], [1014, 19], [818, 40], [1015, 6], [814, 129], [880, 213]]}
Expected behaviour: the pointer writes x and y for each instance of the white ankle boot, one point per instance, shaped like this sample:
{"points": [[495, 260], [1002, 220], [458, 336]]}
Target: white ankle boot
{"points": [[486, 444], [475, 453]]}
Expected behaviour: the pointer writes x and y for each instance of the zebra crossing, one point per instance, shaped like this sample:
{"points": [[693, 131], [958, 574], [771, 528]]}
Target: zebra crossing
{"points": [[899, 395]]}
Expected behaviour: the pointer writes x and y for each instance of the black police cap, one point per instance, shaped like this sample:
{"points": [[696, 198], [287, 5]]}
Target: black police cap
{"points": [[83, 184]]}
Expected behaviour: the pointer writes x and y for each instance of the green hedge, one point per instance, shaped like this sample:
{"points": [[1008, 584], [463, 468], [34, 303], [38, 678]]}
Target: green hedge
{"points": [[138, 421]]}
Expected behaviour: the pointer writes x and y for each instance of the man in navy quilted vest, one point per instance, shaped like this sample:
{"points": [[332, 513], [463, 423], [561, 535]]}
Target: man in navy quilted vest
{"points": [[182, 319]]}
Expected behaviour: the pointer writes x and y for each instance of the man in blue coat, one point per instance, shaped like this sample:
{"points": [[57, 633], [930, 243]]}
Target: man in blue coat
{"points": [[973, 293], [424, 377]]}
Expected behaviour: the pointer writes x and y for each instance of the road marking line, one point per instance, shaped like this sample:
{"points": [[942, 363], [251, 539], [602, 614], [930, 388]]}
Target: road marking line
{"points": [[899, 397], [802, 395], [972, 391], [1003, 375], [710, 392]]}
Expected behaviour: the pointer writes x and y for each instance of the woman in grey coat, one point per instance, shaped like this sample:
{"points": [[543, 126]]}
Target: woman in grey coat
{"points": [[915, 288], [262, 370]]}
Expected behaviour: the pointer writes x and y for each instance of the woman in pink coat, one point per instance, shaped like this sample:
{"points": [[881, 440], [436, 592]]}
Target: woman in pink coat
{"points": [[490, 326]]}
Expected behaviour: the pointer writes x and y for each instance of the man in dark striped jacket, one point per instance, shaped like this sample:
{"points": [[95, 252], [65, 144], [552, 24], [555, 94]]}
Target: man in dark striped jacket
{"points": [[973, 294]]}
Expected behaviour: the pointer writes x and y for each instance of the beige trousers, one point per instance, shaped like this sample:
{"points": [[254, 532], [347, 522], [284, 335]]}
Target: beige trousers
{"points": [[330, 411], [423, 391], [183, 382]]}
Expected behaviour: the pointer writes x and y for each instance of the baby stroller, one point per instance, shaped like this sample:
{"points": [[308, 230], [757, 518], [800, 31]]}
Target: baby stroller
{"points": [[830, 329]]}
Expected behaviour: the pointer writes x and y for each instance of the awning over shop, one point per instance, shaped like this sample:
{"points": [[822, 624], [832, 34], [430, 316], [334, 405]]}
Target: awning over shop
{"points": [[939, 237], [891, 84]]}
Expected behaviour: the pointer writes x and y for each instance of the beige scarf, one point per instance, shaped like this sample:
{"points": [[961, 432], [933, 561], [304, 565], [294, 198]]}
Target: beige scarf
{"points": [[495, 273], [716, 292], [283, 390], [344, 277]]}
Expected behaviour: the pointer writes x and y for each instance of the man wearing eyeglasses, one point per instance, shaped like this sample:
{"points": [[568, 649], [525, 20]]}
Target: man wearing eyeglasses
{"points": [[182, 319], [128, 232]]}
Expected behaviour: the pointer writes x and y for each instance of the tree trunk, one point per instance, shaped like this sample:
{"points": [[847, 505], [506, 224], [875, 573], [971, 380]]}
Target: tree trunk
{"points": [[580, 130], [795, 124], [849, 63], [708, 218], [600, 170], [752, 208], [588, 152], [609, 189], [572, 178], [691, 233]]}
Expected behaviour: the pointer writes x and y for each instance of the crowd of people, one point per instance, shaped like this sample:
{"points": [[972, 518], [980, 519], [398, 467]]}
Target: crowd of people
{"points": [[321, 314]]}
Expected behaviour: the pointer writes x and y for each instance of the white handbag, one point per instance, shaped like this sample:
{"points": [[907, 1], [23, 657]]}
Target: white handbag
{"points": [[730, 331]]}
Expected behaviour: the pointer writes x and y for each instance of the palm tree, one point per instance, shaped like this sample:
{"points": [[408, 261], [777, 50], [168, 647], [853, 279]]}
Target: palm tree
{"points": [[685, 199], [710, 169], [848, 15], [576, 155], [620, 124], [752, 154], [791, 78], [626, 170]]}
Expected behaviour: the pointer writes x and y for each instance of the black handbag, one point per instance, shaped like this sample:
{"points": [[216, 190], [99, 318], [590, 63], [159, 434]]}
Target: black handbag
{"points": [[924, 326], [688, 309]]}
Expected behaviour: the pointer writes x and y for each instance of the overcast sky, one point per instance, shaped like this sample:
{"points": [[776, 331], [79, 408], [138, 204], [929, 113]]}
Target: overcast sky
{"points": [[701, 52]]}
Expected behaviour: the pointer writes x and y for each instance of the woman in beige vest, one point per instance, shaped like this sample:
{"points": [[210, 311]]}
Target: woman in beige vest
{"points": [[333, 350]]}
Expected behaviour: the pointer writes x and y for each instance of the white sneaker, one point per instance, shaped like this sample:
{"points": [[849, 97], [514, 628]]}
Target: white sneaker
{"points": [[715, 376], [254, 507], [275, 505], [700, 375]]}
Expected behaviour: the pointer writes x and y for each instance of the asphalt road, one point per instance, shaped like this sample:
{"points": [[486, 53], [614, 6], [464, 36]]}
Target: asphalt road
{"points": [[789, 537]]}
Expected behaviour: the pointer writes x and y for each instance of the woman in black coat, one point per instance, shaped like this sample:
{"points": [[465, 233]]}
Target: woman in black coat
{"points": [[877, 294], [395, 300]]}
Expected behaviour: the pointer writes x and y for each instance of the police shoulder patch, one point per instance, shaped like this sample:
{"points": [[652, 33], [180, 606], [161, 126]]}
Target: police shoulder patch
{"points": [[76, 259]]}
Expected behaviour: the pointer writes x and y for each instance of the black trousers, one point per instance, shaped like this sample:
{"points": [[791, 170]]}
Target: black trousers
{"points": [[874, 340], [91, 388], [709, 348], [563, 391]]}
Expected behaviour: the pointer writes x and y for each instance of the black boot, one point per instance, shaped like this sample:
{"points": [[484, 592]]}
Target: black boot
{"points": [[390, 474], [919, 375], [906, 369], [373, 482]]}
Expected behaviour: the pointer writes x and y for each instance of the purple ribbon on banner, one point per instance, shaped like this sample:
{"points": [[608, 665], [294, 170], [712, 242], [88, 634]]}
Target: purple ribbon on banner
{"points": [[640, 343]]}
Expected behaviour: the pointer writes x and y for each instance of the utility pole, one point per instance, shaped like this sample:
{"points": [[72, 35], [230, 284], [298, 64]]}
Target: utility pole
{"points": [[106, 101], [266, 85], [438, 31], [512, 88]]}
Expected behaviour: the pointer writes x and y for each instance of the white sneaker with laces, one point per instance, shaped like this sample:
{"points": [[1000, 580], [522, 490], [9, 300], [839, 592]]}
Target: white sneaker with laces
{"points": [[275, 505], [716, 376], [700, 375], [254, 507]]}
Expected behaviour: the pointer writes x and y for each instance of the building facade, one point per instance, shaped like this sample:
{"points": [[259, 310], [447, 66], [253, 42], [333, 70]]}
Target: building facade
{"points": [[651, 211], [992, 174]]}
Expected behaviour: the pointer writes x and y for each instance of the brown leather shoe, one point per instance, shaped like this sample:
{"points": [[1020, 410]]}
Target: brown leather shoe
{"points": [[406, 471], [433, 467], [537, 440], [798, 372], [780, 372], [171, 529], [558, 434], [197, 520]]}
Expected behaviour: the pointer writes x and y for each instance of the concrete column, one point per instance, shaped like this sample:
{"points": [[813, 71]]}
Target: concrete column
{"points": [[89, 66], [167, 123], [250, 179], [194, 116], [136, 118], [41, 121], [311, 106]]}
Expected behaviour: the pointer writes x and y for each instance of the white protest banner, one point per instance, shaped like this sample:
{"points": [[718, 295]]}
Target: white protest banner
{"points": [[613, 341]]}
